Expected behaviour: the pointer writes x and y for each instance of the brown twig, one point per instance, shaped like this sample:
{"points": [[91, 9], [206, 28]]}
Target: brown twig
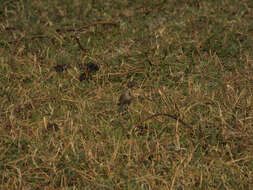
{"points": [[79, 44], [39, 36], [168, 115], [65, 30], [17, 44], [86, 26]]}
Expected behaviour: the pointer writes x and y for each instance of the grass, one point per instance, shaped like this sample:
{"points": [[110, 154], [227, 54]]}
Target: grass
{"points": [[189, 125]]}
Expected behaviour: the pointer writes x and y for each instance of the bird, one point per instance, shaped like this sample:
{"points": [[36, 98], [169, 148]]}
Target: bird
{"points": [[125, 99]]}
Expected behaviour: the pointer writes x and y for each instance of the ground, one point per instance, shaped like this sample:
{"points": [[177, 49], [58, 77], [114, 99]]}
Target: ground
{"points": [[64, 65]]}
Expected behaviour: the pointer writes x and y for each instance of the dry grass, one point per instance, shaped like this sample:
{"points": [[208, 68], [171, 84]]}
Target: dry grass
{"points": [[189, 125]]}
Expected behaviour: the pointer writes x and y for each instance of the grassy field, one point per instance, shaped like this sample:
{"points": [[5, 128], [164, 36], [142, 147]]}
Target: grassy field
{"points": [[64, 65]]}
